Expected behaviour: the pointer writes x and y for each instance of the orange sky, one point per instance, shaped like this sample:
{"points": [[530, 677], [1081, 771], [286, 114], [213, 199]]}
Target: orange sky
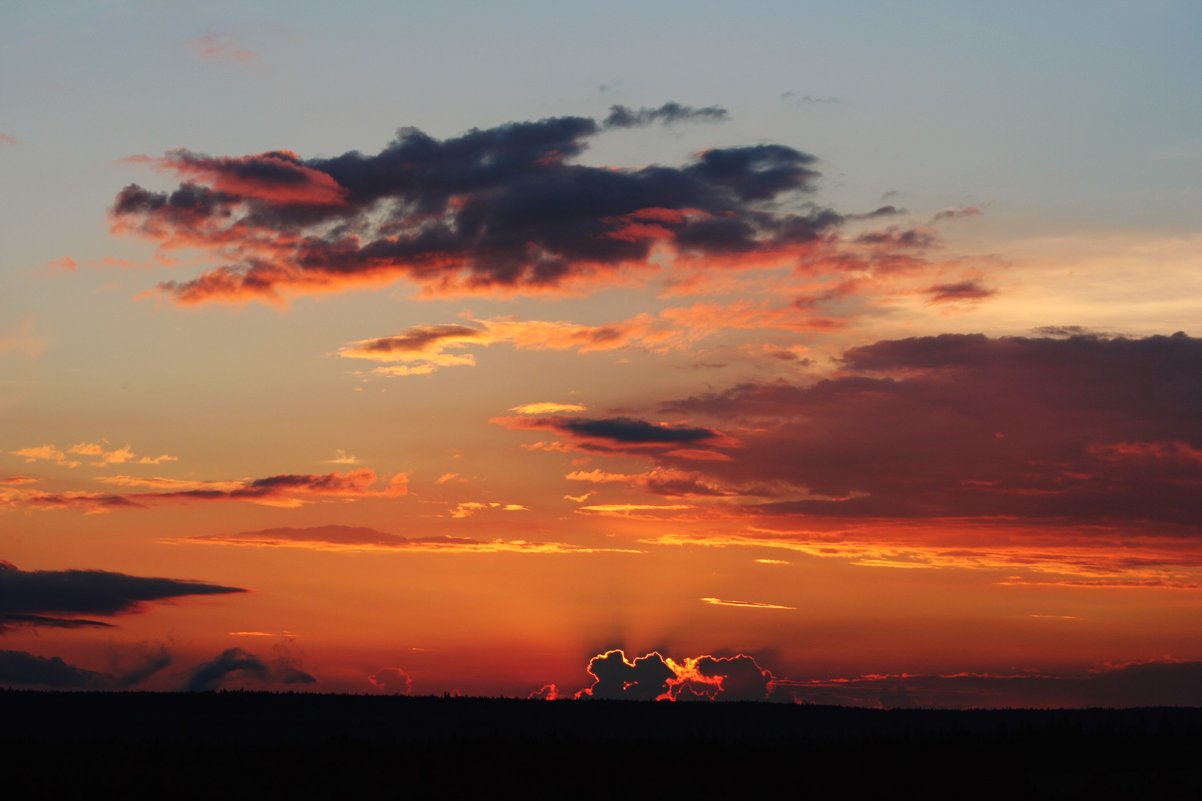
{"points": [[462, 410]]}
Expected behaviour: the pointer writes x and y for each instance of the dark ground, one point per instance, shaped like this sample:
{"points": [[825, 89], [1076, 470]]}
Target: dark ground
{"points": [[264, 745]]}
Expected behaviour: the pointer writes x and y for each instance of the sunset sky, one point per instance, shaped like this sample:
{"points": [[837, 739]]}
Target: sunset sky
{"points": [[824, 352]]}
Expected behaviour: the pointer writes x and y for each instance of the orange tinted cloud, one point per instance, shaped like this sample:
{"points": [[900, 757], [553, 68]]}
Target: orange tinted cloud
{"points": [[283, 490], [342, 457], [497, 209], [425, 348], [469, 508], [102, 455], [291, 490], [1082, 556], [653, 677], [992, 428], [660, 481], [548, 407], [277, 177], [46, 453], [358, 538], [744, 604]]}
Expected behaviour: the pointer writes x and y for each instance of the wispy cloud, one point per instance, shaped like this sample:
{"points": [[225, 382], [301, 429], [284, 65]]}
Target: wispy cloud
{"points": [[744, 604], [100, 454], [220, 47], [357, 538]]}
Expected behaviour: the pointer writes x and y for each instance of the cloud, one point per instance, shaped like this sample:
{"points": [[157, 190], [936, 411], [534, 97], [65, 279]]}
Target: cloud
{"points": [[220, 47], [98, 451], [1048, 553], [391, 680], [659, 481], [667, 114], [617, 434], [245, 666], [1146, 684], [22, 669], [628, 430], [744, 604], [53, 598], [1078, 429], [959, 291], [644, 678], [169, 484], [653, 677], [804, 99], [16, 496], [496, 209], [422, 349], [342, 457], [955, 213], [895, 238], [360, 538], [469, 508], [641, 511], [1065, 331], [294, 490], [22, 341], [46, 453], [286, 491], [549, 407]]}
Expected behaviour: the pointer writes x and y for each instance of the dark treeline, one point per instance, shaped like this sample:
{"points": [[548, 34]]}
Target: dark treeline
{"points": [[267, 745]]}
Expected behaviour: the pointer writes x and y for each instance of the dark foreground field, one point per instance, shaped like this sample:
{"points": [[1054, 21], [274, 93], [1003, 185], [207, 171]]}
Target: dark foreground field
{"points": [[261, 745]]}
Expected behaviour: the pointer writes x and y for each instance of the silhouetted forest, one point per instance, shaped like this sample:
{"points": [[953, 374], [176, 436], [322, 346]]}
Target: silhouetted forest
{"points": [[270, 745]]}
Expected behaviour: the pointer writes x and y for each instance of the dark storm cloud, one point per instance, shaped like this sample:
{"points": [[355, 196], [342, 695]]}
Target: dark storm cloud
{"points": [[643, 679], [502, 206], [629, 430], [54, 597], [733, 678], [244, 665], [1083, 428], [667, 114], [21, 669]]}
